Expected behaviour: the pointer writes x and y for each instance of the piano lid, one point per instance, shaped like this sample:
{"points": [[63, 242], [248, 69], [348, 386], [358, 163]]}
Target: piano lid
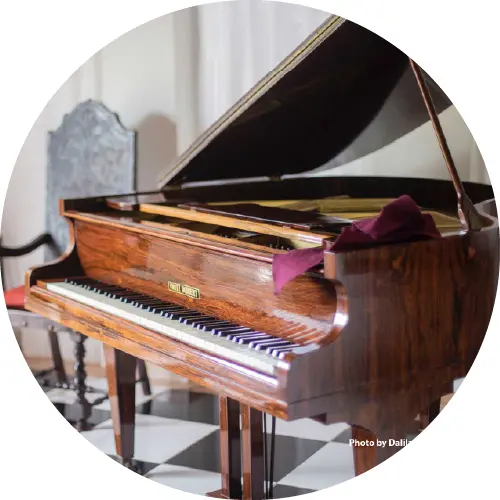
{"points": [[310, 109]]}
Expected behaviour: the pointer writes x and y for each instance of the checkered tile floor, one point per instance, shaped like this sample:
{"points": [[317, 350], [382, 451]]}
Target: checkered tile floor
{"points": [[177, 442]]}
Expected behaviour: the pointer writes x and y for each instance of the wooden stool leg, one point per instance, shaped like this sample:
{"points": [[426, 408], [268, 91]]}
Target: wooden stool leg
{"points": [[252, 453], [142, 377], [56, 356], [120, 372], [80, 380]]}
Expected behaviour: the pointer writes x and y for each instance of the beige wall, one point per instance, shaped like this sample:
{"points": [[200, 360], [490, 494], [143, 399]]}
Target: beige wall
{"points": [[135, 77]]}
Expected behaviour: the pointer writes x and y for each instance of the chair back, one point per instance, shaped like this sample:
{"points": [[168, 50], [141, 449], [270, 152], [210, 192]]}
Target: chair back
{"points": [[90, 154]]}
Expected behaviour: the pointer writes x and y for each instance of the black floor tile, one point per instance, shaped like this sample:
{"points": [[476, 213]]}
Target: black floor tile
{"points": [[183, 405], [290, 453], [140, 467], [73, 413], [284, 491], [343, 437]]}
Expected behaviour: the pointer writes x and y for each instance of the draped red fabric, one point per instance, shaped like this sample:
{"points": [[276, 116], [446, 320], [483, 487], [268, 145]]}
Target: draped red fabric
{"points": [[399, 221]]}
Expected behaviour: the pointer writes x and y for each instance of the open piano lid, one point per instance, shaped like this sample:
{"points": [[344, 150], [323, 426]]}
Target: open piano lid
{"points": [[310, 108]]}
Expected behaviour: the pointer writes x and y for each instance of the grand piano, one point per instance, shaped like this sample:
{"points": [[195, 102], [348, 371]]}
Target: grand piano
{"points": [[185, 277]]}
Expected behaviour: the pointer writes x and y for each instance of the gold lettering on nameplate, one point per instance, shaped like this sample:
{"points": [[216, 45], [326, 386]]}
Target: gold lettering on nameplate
{"points": [[189, 291]]}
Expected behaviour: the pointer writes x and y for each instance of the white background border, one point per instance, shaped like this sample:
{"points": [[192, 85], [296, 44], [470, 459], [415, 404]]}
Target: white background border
{"points": [[43, 42]]}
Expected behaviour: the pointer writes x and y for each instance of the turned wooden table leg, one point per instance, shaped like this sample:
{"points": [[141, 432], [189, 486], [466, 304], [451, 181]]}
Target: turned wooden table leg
{"points": [[252, 453], [80, 381], [120, 372]]}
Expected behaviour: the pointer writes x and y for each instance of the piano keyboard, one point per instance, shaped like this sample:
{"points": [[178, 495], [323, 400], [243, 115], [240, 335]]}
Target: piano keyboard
{"points": [[257, 350]]}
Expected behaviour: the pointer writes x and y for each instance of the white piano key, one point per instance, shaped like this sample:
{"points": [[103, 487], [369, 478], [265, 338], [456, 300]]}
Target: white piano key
{"points": [[171, 328]]}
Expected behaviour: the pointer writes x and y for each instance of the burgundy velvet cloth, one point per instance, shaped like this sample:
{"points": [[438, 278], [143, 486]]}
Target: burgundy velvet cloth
{"points": [[399, 221]]}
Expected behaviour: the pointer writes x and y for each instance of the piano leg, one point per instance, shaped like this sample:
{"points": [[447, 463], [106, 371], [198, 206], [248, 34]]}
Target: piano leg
{"points": [[429, 414], [230, 449], [121, 375], [367, 454], [252, 453], [142, 377]]}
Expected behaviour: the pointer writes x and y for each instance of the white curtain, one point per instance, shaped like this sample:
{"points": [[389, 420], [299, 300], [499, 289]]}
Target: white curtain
{"points": [[239, 42]]}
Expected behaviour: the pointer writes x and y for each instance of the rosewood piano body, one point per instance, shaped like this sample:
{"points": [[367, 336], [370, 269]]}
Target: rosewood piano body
{"points": [[371, 337]]}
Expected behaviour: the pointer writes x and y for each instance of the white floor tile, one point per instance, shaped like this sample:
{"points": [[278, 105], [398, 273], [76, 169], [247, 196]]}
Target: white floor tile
{"points": [[331, 465], [68, 397], [307, 428], [184, 479], [156, 439]]}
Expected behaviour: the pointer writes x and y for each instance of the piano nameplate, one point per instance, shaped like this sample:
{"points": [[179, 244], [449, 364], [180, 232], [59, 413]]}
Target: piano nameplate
{"points": [[189, 291]]}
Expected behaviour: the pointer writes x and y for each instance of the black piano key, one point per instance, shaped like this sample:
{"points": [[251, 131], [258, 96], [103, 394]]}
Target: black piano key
{"points": [[237, 336], [116, 294], [264, 346], [227, 332], [78, 281], [222, 324], [210, 328], [161, 309], [179, 316], [278, 351], [188, 320], [105, 286], [150, 303], [167, 312], [229, 328], [269, 340], [171, 307], [204, 320], [208, 325], [145, 301], [129, 298], [106, 291], [253, 338]]}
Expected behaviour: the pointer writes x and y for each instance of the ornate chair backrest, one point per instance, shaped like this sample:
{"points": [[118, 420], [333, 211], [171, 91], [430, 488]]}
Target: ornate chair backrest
{"points": [[90, 154]]}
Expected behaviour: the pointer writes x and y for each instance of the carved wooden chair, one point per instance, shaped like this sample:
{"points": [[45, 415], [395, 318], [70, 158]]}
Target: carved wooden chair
{"points": [[90, 154]]}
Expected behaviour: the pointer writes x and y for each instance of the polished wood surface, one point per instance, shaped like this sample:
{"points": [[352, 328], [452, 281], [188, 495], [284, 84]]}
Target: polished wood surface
{"points": [[252, 453], [230, 448], [120, 372], [388, 328], [226, 221], [366, 295], [231, 286]]}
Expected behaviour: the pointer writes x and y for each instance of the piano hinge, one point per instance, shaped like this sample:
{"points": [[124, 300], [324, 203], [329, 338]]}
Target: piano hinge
{"points": [[172, 187]]}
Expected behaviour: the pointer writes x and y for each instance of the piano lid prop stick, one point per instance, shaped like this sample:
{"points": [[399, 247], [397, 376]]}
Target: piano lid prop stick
{"points": [[469, 216]]}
